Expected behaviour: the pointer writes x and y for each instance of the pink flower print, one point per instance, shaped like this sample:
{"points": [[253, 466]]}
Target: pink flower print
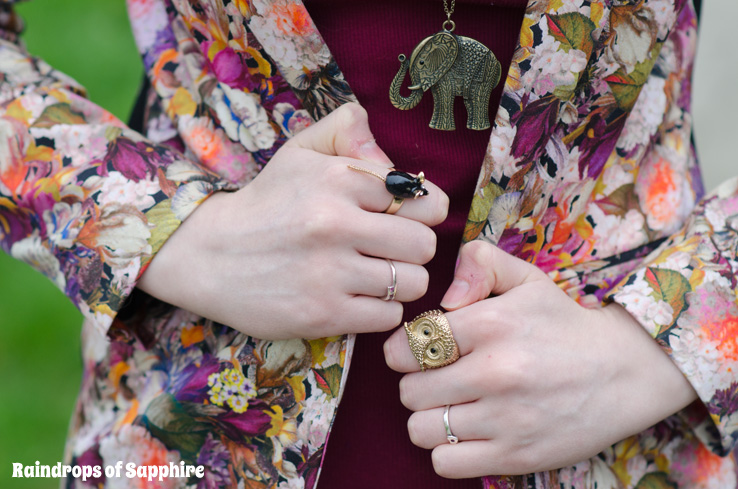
{"points": [[228, 67]]}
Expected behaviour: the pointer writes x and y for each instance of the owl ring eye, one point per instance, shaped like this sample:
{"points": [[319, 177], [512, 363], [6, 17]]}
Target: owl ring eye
{"points": [[431, 340]]}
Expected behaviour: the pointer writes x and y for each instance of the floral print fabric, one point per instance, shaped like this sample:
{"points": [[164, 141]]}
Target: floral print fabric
{"points": [[84, 200], [590, 174]]}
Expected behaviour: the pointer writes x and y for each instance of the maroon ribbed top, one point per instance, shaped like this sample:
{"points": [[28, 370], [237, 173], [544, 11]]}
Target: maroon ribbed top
{"points": [[369, 446]]}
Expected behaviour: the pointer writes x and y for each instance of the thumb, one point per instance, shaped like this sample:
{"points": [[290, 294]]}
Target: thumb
{"points": [[484, 269], [343, 132]]}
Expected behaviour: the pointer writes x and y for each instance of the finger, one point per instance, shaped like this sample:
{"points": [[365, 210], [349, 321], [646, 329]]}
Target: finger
{"points": [[343, 132], [484, 269], [363, 314], [397, 239], [427, 430], [373, 277], [397, 351], [452, 384], [371, 195], [469, 459]]}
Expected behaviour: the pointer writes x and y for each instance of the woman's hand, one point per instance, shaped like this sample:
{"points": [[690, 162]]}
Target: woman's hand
{"points": [[300, 251], [542, 382]]}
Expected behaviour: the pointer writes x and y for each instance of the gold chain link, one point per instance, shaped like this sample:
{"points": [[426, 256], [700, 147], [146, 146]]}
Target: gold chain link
{"points": [[447, 10]]}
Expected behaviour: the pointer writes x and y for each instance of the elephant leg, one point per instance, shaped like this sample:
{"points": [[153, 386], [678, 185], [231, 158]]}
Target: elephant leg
{"points": [[477, 108], [443, 108], [476, 97]]}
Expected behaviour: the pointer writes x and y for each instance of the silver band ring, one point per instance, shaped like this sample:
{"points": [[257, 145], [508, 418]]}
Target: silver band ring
{"points": [[392, 289], [449, 436]]}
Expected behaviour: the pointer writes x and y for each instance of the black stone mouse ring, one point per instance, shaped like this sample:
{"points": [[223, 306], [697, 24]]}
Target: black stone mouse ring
{"points": [[400, 184]]}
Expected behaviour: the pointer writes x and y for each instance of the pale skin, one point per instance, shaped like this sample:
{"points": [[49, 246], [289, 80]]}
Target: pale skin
{"points": [[299, 253]]}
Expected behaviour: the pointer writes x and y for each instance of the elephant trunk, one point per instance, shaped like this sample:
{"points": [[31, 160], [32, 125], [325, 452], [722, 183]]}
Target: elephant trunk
{"points": [[403, 103]]}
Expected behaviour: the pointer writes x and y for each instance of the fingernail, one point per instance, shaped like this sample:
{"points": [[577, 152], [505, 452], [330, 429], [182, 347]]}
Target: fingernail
{"points": [[455, 294], [371, 151]]}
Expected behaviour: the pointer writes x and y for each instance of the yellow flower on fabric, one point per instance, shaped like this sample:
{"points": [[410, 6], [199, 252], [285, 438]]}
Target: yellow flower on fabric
{"points": [[16, 111], [182, 103], [526, 33], [624, 451], [284, 429], [597, 11], [231, 387], [277, 416], [555, 5], [298, 387]]}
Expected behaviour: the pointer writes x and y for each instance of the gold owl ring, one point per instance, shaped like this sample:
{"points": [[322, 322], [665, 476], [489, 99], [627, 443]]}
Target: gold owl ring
{"points": [[431, 340]]}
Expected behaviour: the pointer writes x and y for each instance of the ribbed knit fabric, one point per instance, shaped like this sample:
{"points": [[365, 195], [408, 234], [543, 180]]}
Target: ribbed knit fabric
{"points": [[369, 447]]}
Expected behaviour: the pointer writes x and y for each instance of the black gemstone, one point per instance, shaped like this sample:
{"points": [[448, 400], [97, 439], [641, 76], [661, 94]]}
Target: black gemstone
{"points": [[404, 185]]}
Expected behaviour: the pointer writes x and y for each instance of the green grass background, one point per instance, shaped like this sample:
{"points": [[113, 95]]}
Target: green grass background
{"points": [[39, 329]]}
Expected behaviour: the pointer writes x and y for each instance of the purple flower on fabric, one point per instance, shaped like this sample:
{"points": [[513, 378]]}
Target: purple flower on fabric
{"points": [[536, 123], [214, 456], [724, 402], [91, 458], [135, 160], [16, 226], [229, 68], [30, 207], [191, 383], [598, 144], [512, 241], [252, 422], [310, 468], [165, 40], [120, 350]]}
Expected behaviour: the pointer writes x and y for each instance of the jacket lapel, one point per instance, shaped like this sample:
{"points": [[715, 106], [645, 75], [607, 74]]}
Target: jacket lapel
{"points": [[576, 73]]}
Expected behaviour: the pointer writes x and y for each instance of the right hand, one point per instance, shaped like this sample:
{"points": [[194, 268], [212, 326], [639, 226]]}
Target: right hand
{"points": [[299, 252]]}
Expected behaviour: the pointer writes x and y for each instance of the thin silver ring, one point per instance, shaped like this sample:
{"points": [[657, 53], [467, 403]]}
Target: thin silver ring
{"points": [[392, 289], [449, 436]]}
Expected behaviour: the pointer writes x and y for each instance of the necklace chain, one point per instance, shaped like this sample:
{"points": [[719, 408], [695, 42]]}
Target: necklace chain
{"points": [[449, 11]]}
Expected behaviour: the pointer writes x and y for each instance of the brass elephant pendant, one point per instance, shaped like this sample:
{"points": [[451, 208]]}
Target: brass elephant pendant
{"points": [[450, 66]]}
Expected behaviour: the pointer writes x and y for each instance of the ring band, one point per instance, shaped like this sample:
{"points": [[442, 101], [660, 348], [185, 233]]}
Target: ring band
{"points": [[392, 289], [431, 340], [394, 206], [449, 436]]}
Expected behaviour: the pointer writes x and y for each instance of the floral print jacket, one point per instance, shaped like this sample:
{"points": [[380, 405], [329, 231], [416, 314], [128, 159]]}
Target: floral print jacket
{"points": [[590, 174]]}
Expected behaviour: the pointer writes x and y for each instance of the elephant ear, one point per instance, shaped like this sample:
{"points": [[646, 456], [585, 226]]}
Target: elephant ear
{"points": [[436, 55]]}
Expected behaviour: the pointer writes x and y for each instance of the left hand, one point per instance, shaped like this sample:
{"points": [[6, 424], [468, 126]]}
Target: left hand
{"points": [[542, 383]]}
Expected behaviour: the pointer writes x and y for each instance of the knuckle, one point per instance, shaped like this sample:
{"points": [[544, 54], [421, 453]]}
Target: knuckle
{"points": [[414, 430], [523, 460], [481, 252], [320, 221], [395, 314], [440, 465], [391, 356], [427, 248], [336, 176], [492, 325], [407, 396], [441, 212], [351, 112], [512, 372], [314, 315], [423, 281]]}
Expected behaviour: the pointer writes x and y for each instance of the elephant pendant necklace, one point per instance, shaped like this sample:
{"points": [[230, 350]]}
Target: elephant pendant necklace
{"points": [[450, 66]]}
